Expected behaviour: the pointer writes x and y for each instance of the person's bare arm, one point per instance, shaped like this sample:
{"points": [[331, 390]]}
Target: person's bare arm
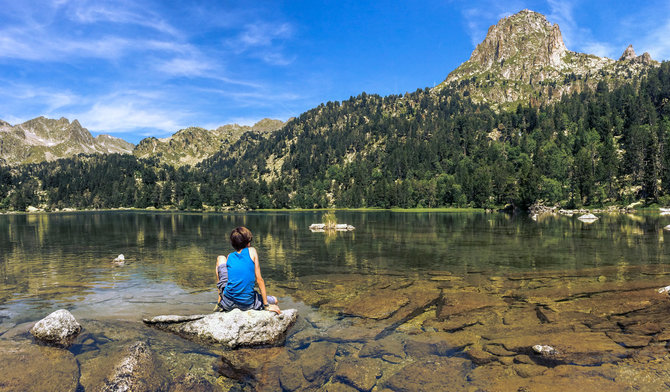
{"points": [[260, 282]]}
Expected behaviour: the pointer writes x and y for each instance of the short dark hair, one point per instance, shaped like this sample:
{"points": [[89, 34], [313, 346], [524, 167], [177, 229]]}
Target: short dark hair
{"points": [[240, 238]]}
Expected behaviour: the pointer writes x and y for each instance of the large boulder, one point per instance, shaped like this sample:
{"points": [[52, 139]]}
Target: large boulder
{"points": [[60, 328], [232, 329]]}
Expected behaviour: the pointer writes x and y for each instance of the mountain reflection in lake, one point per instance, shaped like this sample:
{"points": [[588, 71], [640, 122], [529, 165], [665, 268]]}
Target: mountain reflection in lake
{"points": [[401, 302]]}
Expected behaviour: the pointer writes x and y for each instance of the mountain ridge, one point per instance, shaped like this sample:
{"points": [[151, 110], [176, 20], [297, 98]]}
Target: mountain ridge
{"points": [[43, 139], [192, 145]]}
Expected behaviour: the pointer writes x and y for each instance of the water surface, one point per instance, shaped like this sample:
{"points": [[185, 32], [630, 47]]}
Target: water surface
{"points": [[53, 261]]}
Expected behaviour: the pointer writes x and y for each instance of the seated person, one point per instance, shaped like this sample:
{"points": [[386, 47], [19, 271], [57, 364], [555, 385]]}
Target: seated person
{"points": [[239, 273]]}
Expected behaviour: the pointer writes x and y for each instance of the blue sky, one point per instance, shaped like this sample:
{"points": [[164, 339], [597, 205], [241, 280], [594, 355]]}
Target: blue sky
{"points": [[149, 68]]}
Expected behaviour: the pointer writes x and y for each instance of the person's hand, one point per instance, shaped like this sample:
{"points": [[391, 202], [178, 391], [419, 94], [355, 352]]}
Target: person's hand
{"points": [[273, 308]]}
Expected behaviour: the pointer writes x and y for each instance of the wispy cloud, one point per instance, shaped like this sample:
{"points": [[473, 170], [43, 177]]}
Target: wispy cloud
{"points": [[479, 19], [264, 41], [118, 116], [117, 12], [576, 37]]}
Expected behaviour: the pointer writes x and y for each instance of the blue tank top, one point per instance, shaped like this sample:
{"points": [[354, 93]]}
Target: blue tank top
{"points": [[241, 278]]}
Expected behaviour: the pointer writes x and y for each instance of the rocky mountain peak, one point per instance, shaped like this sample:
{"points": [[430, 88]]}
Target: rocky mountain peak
{"points": [[523, 37], [524, 59], [628, 54]]}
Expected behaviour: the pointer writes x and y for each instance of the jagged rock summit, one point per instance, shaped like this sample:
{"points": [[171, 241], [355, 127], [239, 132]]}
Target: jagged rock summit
{"points": [[524, 59], [43, 139]]}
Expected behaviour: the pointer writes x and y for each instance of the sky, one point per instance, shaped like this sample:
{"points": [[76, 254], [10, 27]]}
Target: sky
{"points": [[134, 69]]}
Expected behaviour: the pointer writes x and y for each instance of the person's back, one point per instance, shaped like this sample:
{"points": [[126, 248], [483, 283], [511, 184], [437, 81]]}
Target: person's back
{"points": [[238, 274], [241, 278]]}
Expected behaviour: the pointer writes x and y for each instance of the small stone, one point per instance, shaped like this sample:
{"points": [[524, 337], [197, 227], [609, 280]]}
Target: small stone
{"points": [[601, 279], [60, 327], [544, 349], [120, 258]]}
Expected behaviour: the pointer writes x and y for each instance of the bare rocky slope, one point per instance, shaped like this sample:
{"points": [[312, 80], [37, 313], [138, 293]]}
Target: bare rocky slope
{"points": [[42, 139], [192, 145], [523, 60]]}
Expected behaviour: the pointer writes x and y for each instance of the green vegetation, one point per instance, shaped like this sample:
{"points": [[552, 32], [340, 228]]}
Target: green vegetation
{"points": [[426, 149]]}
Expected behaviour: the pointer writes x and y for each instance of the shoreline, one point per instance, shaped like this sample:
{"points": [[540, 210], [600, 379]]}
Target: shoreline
{"points": [[533, 210]]}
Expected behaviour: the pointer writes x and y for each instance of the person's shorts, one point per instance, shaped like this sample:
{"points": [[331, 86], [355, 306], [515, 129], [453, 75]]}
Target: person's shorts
{"points": [[228, 304]]}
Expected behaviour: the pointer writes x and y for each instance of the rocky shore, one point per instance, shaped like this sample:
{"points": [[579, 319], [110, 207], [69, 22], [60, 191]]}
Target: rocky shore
{"points": [[604, 329]]}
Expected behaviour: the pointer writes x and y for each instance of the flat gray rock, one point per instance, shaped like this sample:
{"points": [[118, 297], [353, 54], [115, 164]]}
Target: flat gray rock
{"points": [[60, 327], [232, 329]]}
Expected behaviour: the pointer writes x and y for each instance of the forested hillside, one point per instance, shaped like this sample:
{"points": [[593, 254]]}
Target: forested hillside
{"points": [[424, 149]]}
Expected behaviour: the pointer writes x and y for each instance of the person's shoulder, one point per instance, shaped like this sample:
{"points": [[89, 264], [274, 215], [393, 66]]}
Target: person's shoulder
{"points": [[220, 259], [252, 251]]}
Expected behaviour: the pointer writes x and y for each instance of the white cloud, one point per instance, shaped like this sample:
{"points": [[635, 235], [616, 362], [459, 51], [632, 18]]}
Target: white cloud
{"points": [[123, 116], [577, 38]]}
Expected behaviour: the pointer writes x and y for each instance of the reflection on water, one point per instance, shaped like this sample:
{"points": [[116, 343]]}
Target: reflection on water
{"points": [[408, 261], [67, 257]]}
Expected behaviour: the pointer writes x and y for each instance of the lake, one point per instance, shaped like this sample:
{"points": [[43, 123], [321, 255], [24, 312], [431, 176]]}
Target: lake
{"points": [[400, 303]]}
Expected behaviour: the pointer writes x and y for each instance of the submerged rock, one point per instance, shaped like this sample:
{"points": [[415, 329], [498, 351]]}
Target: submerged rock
{"points": [[60, 327], [30, 367], [138, 371], [232, 329]]}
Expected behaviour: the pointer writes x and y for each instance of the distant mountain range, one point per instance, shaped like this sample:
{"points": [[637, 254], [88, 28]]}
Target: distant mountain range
{"points": [[43, 139], [522, 60]]}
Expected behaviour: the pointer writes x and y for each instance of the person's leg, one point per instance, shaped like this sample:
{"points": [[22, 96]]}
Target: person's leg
{"points": [[226, 304]]}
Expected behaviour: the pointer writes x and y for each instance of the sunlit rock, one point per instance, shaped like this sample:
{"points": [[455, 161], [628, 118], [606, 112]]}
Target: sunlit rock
{"points": [[232, 329], [588, 218], [60, 327], [544, 349]]}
